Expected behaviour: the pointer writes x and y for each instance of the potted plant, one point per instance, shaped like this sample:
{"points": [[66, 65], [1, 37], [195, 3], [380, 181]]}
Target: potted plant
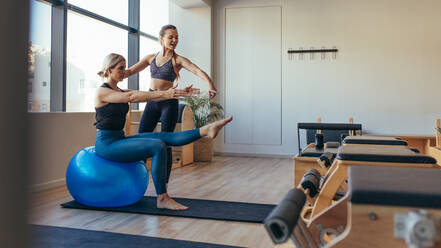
{"points": [[205, 111]]}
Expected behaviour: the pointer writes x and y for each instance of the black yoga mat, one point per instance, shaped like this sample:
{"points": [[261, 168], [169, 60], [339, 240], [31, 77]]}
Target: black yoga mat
{"points": [[203, 209], [62, 237]]}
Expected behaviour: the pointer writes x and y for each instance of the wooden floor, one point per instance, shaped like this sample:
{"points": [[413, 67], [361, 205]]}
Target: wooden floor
{"points": [[255, 180]]}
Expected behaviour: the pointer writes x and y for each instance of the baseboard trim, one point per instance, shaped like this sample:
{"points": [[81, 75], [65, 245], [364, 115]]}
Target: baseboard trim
{"points": [[48, 185], [251, 155]]}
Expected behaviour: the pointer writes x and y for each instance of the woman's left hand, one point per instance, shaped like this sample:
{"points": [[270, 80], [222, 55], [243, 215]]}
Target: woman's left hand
{"points": [[192, 91]]}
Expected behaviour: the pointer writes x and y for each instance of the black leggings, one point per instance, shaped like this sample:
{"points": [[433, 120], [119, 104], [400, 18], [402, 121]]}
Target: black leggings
{"points": [[167, 112]]}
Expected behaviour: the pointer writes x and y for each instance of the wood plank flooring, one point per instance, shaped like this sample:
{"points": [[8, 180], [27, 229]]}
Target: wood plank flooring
{"points": [[241, 179]]}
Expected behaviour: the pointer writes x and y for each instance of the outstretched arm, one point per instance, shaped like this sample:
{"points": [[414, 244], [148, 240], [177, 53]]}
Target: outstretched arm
{"points": [[188, 65], [112, 96], [141, 65]]}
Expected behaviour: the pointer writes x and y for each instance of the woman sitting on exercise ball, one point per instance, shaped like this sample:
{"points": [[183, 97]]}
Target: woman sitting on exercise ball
{"points": [[111, 105]]}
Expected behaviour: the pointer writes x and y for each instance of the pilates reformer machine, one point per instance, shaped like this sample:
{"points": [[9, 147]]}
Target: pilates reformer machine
{"points": [[323, 140], [322, 149], [330, 217], [385, 207], [356, 150]]}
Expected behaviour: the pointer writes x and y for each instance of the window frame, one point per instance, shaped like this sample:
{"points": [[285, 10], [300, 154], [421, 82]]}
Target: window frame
{"points": [[59, 20]]}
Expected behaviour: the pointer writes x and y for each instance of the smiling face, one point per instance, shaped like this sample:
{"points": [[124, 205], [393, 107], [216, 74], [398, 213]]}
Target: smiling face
{"points": [[170, 39], [116, 73]]}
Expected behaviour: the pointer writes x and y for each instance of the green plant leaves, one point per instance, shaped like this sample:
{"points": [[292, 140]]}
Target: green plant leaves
{"points": [[204, 109]]}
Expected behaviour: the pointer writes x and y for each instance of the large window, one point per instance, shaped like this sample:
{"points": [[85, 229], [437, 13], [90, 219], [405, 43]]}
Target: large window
{"points": [[116, 10], [88, 42], [146, 47], [39, 57], [64, 61], [154, 15]]}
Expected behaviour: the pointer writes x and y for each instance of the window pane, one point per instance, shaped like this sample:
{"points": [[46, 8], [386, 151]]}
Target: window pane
{"points": [[88, 42], [117, 10], [39, 57], [153, 15], [146, 47]]}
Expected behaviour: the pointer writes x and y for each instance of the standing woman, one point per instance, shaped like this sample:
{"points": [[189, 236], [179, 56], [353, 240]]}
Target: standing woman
{"points": [[164, 68], [111, 105]]}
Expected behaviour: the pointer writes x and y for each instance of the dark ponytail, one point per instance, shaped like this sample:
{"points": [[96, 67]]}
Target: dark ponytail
{"points": [[165, 27]]}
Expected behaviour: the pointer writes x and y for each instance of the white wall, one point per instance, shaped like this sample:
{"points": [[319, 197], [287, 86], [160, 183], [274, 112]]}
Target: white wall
{"points": [[387, 74], [54, 139], [194, 27]]}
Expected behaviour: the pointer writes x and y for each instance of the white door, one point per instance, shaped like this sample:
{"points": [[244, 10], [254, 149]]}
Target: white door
{"points": [[253, 75]]}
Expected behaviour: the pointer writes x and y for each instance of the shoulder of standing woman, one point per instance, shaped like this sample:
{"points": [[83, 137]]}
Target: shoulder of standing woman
{"points": [[149, 57], [179, 59]]}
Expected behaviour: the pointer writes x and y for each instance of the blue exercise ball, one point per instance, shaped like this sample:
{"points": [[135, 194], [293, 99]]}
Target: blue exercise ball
{"points": [[95, 181]]}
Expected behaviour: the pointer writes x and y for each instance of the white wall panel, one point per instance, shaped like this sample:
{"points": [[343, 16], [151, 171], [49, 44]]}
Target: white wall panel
{"points": [[253, 75]]}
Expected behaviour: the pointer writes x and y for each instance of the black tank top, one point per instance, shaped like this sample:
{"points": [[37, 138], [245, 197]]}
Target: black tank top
{"points": [[111, 116]]}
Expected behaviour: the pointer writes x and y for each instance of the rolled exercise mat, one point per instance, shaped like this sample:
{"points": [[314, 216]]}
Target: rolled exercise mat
{"points": [[203, 209], [62, 237], [282, 220]]}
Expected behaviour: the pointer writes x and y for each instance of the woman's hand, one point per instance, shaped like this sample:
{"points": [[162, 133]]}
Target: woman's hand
{"points": [[193, 91], [186, 92]]}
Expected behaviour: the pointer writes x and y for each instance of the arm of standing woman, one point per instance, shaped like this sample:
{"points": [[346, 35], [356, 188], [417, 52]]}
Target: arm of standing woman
{"points": [[188, 65], [141, 65]]}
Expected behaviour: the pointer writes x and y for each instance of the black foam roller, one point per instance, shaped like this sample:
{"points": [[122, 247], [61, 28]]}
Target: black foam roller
{"points": [[328, 158], [311, 181], [282, 220], [313, 172]]}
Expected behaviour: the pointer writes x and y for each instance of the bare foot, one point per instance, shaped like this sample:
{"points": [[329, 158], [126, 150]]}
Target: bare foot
{"points": [[164, 201], [211, 130]]}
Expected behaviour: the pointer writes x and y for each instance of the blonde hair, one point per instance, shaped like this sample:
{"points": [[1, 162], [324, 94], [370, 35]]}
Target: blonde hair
{"points": [[161, 34], [110, 61]]}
